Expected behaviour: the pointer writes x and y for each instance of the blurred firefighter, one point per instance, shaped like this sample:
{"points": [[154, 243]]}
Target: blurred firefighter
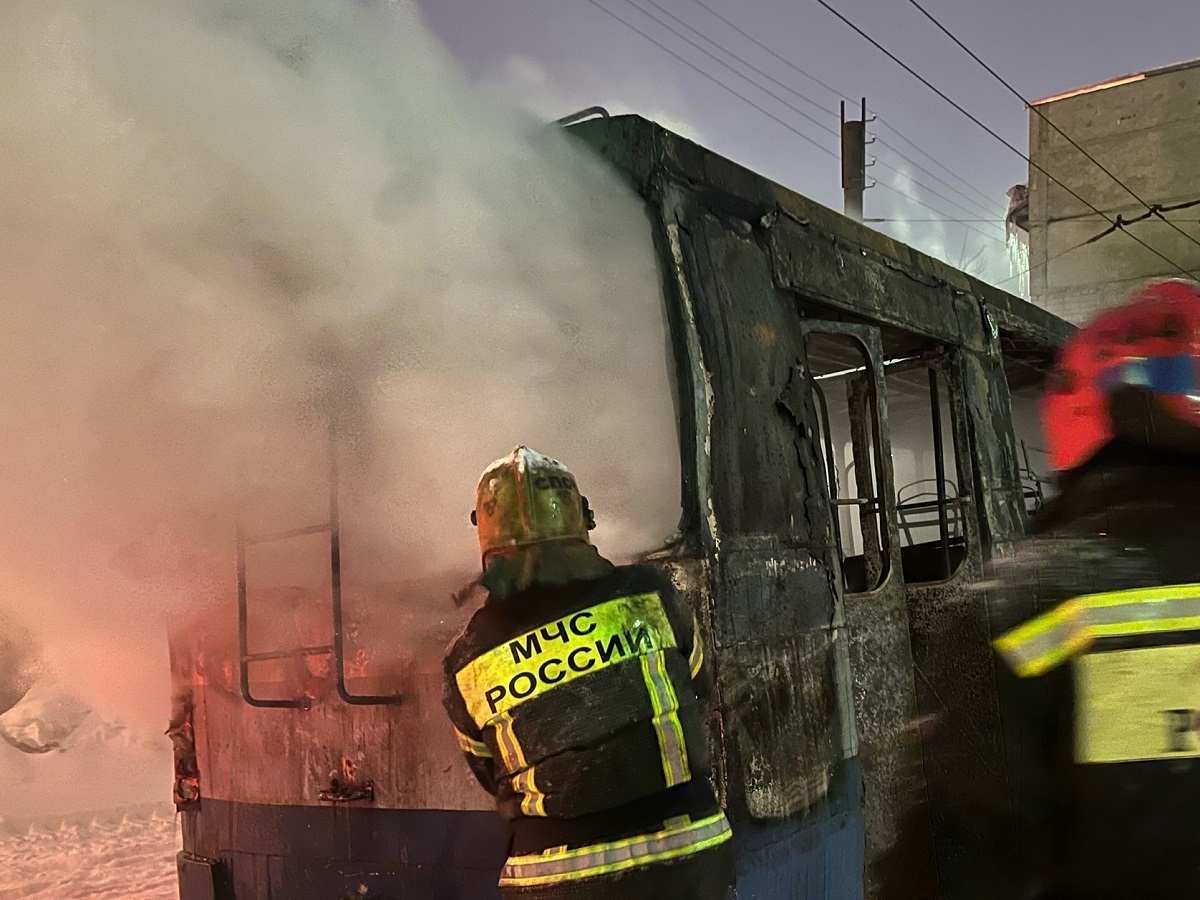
{"points": [[576, 694], [1102, 681]]}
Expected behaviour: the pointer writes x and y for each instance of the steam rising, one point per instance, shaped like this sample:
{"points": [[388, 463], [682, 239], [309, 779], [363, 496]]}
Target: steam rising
{"points": [[225, 225]]}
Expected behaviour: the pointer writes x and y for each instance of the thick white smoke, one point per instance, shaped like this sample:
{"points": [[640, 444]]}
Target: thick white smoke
{"points": [[224, 223], [977, 249]]}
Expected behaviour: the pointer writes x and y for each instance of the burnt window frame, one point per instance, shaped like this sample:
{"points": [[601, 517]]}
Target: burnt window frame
{"points": [[1029, 365], [943, 363], [867, 339]]}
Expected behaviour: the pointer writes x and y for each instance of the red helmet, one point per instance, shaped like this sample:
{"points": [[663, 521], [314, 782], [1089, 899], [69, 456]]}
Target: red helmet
{"points": [[1152, 343]]}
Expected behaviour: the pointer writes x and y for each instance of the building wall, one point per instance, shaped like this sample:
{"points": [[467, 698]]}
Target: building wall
{"points": [[1145, 132]]}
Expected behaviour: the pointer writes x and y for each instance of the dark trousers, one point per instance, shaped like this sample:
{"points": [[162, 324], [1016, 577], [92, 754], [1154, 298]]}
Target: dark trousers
{"points": [[707, 875]]}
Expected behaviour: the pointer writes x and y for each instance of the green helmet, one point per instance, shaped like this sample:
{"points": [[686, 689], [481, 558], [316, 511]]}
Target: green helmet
{"points": [[526, 498]]}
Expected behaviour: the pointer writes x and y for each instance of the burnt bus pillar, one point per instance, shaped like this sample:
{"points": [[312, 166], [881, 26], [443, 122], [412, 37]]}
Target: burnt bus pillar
{"points": [[789, 772]]}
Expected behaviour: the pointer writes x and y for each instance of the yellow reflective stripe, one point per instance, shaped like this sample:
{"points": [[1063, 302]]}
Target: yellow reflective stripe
{"points": [[1042, 643], [696, 657], [1149, 626], [667, 727], [1038, 656], [472, 746], [1168, 593], [605, 859], [1054, 637], [559, 652], [534, 801], [1113, 615], [510, 750]]}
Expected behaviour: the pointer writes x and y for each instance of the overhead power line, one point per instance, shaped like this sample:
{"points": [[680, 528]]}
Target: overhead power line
{"points": [[749, 65], [837, 93], [1157, 209], [841, 95], [713, 79], [966, 223], [741, 96], [883, 120], [721, 62], [767, 91], [1154, 209], [920, 168], [916, 165], [1096, 237], [990, 131]]}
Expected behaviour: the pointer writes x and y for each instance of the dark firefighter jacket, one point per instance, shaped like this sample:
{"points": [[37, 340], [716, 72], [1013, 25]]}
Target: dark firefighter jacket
{"points": [[579, 708], [1101, 733]]}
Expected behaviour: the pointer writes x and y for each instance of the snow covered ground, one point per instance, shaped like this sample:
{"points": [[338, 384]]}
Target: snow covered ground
{"points": [[122, 855], [84, 804]]}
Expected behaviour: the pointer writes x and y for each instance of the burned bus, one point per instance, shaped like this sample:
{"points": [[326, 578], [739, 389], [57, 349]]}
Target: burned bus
{"points": [[857, 438]]}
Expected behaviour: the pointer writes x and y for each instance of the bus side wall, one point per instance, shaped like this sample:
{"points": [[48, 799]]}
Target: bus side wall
{"points": [[748, 261]]}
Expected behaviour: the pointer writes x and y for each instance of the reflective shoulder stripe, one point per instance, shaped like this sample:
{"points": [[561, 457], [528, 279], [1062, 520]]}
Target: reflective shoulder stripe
{"points": [[696, 657], [1041, 644], [557, 653], [1145, 610], [677, 840], [472, 746], [1165, 593]]}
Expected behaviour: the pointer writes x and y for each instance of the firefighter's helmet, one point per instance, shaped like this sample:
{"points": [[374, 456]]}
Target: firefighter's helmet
{"points": [[525, 499], [1132, 371]]}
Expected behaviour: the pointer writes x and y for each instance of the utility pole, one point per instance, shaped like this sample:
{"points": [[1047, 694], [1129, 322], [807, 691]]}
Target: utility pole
{"points": [[854, 162]]}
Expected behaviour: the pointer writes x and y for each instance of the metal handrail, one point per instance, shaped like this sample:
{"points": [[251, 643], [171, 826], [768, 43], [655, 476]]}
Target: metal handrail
{"points": [[583, 114], [335, 562], [338, 647], [245, 656]]}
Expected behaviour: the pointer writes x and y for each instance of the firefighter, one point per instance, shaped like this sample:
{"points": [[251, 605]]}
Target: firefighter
{"points": [[1102, 681], [576, 694]]}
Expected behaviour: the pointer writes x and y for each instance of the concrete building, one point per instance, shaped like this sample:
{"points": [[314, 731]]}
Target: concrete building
{"points": [[1145, 130]]}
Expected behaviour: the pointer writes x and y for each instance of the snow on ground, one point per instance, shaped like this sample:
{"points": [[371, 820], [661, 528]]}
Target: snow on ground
{"points": [[84, 804], [121, 855]]}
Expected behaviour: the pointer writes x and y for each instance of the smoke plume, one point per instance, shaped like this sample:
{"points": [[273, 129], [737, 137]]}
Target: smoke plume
{"points": [[230, 224]]}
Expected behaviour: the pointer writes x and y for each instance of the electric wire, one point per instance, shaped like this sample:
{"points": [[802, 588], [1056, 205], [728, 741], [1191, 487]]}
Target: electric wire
{"points": [[930, 190], [990, 131], [774, 95], [714, 79], [746, 99], [787, 62], [841, 95], [986, 200], [1154, 209], [916, 165], [1096, 237], [942, 218], [743, 76]]}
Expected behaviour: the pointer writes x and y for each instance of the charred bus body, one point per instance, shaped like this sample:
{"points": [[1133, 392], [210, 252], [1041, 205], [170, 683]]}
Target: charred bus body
{"points": [[851, 418]]}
